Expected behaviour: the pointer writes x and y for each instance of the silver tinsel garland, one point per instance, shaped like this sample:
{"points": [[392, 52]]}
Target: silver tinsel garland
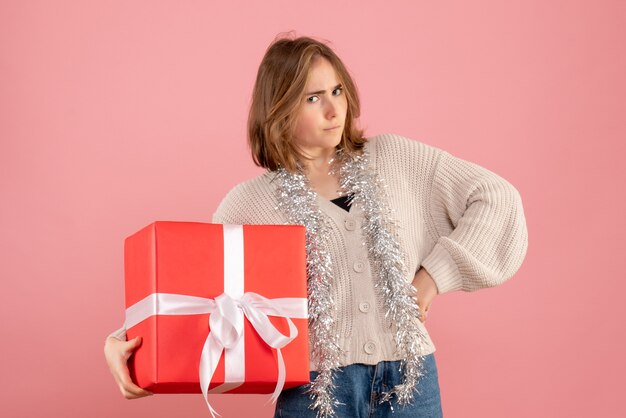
{"points": [[299, 203]]}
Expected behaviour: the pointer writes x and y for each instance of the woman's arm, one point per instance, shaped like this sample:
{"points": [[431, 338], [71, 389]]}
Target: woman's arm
{"points": [[479, 219], [119, 334], [117, 353]]}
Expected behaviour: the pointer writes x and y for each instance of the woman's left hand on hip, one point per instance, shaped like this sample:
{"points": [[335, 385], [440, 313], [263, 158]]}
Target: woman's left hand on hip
{"points": [[426, 291]]}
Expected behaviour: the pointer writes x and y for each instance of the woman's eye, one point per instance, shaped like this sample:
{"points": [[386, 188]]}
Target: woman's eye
{"points": [[309, 99]]}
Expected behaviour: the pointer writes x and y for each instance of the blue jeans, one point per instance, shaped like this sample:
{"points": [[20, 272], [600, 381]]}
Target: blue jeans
{"points": [[358, 388]]}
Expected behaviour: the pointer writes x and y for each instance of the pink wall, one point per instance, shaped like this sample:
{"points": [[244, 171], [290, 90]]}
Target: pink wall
{"points": [[115, 114]]}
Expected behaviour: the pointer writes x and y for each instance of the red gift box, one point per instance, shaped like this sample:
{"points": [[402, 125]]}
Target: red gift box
{"points": [[189, 286]]}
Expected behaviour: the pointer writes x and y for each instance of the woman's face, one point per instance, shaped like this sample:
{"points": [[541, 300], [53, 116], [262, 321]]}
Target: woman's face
{"points": [[323, 107]]}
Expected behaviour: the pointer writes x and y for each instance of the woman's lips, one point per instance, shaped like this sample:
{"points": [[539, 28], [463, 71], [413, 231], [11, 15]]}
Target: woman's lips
{"points": [[330, 129]]}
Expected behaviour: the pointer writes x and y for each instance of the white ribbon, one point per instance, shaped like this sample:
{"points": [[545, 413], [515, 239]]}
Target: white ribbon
{"points": [[227, 320]]}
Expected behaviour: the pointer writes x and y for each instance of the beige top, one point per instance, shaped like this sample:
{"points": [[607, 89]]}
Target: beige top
{"points": [[463, 223]]}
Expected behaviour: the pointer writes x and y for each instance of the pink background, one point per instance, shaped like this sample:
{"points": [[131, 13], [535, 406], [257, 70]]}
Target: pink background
{"points": [[114, 114]]}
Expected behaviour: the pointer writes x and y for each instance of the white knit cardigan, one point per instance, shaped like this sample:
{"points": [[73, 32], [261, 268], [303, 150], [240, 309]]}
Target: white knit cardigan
{"points": [[461, 222]]}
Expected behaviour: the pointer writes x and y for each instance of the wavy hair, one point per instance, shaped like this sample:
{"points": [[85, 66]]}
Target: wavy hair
{"points": [[277, 97]]}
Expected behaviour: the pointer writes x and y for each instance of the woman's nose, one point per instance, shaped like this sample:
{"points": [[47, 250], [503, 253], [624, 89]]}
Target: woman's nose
{"points": [[331, 109]]}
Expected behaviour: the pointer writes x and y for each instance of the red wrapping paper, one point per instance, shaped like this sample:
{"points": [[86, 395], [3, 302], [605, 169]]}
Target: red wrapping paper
{"points": [[188, 258]]}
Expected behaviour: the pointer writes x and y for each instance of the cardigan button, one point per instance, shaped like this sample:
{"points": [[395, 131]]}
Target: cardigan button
{"points": [[358, 266], [364, 307], [350, 224], [370, 347]]}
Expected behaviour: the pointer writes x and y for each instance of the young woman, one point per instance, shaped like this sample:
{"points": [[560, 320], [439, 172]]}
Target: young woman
{"points": [[391, 223]]}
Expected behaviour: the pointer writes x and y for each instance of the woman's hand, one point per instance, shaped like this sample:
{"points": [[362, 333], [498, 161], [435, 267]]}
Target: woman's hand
{"points": [[117, 354], [426, 291]]}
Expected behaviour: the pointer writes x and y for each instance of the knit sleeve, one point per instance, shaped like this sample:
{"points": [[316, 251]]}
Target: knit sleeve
{"points": [[250, 202], [480, 224], [120, 334], [229, 208], [221, 217]]}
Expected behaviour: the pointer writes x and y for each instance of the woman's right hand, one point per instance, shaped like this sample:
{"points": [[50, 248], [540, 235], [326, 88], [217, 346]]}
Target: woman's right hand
{"points": [[117, 353]]}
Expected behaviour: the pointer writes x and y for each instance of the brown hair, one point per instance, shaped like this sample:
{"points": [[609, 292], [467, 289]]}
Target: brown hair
{"points": [[276, 99]]}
